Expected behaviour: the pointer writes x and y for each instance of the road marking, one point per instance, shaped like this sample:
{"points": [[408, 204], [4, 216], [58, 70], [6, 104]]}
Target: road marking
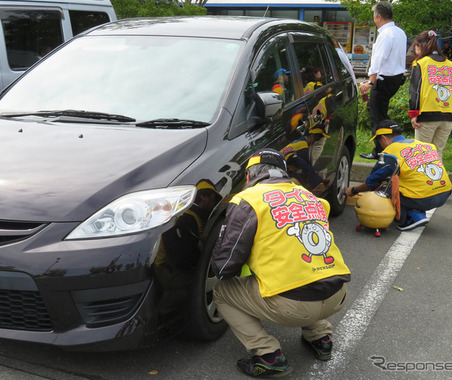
{"points": [[353, 325]]}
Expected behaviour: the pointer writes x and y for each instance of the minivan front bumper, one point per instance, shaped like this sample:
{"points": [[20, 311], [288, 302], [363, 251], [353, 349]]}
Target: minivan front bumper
{"points": [[80, 292]]}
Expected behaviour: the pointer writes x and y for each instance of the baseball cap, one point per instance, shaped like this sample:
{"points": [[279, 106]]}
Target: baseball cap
{"points": [[386, 127], [280, 72], [206, 184], [268, 156]]}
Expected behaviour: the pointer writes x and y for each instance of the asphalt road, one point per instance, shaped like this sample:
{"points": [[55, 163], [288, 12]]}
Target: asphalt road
{"points": [[396, 324]]}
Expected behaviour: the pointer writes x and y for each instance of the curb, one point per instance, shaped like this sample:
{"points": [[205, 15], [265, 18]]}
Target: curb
{"points": [[360, 171]]}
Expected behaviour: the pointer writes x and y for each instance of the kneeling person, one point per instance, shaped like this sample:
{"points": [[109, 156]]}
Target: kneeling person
{"points": [[297, 276], [424, 183]]}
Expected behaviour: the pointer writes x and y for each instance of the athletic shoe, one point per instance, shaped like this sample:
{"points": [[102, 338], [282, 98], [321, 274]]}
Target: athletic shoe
{"points": [[322, 347], [413, 220], [368, 156], [256, 366]]}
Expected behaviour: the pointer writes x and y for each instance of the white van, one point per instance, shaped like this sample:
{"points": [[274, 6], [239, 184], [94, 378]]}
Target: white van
{"points": [[31, 29]]}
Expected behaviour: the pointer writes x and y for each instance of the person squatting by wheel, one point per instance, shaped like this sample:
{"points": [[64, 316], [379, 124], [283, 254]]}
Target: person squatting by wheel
{"points": [[297, 276]]}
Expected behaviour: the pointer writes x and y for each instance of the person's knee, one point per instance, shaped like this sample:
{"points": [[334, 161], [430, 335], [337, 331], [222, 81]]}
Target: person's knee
{"points": [[218, 292], [343, 299], [223, 291]]}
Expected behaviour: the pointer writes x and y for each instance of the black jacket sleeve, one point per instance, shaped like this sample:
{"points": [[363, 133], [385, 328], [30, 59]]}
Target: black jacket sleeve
{"points": [[234, 244], [415, 88]]}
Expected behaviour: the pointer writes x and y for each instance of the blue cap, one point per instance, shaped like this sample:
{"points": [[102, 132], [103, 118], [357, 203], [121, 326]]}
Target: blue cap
{"points": [[280, 72]]}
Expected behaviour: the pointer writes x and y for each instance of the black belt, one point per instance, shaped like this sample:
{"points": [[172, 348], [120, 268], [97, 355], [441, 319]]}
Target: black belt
{"points": [[391, 76]]}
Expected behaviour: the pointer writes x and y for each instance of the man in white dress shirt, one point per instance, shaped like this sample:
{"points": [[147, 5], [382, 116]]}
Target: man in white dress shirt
{"points": [[387, 67]]}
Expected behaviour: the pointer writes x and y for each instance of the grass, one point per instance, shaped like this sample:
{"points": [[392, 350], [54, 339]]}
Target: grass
{"points": [[364, 146]]}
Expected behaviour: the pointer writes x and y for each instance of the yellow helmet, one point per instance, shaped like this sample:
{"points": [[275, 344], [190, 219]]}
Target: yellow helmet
{"points": [[374, 210]]}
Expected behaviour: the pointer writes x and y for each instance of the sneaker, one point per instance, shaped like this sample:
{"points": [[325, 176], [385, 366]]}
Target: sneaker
{"points": [[368, 156], [256, 366], [413, 220], [322, 347]]}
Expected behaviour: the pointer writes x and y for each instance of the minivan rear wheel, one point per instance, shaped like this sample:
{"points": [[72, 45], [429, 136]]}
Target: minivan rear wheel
{"points": [[204, 321], [336, 195]]}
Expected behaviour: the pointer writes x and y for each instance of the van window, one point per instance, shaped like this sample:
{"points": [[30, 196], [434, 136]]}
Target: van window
{"points": [[84, 20], [341, 69], [30, 34], [314, 65], [329, 76], [138, 76], [271, 59], [273, 72]]}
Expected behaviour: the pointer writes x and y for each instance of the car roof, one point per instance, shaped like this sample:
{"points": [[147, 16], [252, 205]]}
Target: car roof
{"points": [[12, 3], [200, 26]]}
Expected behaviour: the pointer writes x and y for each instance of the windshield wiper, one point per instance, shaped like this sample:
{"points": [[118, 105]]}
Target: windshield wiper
{"points": [[75, 113], [172, 124]]}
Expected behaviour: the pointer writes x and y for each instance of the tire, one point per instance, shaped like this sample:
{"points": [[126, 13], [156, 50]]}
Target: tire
{"points": [[204, 321], [336, 196]]}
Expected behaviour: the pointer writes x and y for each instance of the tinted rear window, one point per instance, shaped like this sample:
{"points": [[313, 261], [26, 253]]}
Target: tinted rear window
{"points": [[30, 34], [84, 20]]}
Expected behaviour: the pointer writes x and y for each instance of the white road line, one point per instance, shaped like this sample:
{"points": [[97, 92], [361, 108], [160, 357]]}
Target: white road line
{"points": [[353, 325]]}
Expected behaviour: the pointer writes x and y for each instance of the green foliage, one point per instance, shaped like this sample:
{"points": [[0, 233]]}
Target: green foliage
{"points": [[413, 16], [398, 110], [156, 8], [399, 107]]}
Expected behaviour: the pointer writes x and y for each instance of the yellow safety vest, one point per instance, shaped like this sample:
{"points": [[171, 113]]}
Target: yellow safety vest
{"points": [[293, 245], [289, 150], [311, 86], [436, 86], [422, 173]]}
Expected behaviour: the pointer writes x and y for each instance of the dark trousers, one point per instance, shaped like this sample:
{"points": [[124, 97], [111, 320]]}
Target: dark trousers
{"points": [[422, 204], [380, 94]]}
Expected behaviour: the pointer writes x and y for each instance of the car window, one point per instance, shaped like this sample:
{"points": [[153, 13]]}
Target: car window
{"points": [[314, 66], [83, 20], [273, 71], [143, 77], [30, 35], [329, 76], [341, 69]]}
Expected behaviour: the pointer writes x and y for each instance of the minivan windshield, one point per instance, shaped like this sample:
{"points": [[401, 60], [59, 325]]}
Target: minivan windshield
{"points": [[141, 77]]}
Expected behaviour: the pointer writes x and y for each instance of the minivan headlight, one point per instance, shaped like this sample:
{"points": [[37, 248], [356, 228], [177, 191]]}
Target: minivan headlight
{"points": [[136, 212]]}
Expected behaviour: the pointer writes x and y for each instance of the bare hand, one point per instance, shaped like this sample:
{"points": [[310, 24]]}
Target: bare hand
{"points": [[348, 192], [364, 87], [414, 123]]}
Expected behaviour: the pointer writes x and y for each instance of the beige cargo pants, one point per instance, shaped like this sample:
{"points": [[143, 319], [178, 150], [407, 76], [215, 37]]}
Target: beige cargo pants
{"points": [[243, 308]]}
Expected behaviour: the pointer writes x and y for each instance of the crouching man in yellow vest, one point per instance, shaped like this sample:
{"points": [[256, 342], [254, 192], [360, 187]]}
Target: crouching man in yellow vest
{"points": [[424, 182], [297, 276]]}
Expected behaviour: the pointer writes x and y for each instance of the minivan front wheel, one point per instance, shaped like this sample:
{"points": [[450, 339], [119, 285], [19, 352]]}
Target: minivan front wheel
{"points": [[204, 321], [336, 195]]}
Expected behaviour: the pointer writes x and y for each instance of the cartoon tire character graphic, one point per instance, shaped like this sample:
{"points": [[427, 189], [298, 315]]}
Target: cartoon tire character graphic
{"points": [[443, 94], [315, 239], [433, 172]]}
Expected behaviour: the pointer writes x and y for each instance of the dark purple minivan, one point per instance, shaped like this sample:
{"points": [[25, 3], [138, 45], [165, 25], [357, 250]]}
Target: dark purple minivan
{"points": [[102, 143]]}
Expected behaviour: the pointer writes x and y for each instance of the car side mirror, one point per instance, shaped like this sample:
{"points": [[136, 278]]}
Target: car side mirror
{"points": [[268, 104]]}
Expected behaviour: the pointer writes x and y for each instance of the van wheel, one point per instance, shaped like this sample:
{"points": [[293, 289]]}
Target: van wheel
{"points": [[336, 195], [204, 321]]}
